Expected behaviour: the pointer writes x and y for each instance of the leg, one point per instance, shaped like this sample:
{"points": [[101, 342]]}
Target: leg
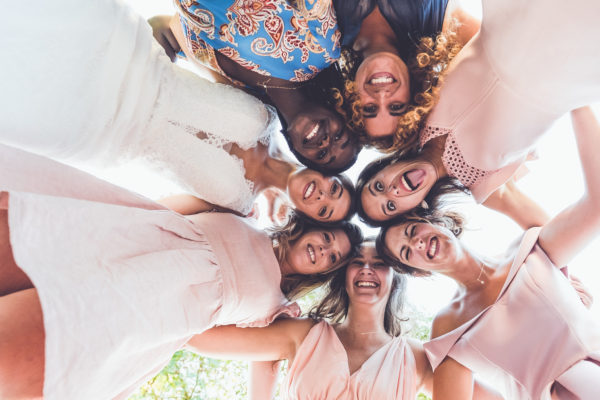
{"points": [[21, 346], [12, 278]]}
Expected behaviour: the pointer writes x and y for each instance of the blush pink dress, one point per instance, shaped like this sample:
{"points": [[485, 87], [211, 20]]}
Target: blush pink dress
{"points": [[532, 62], [123, 282], [320, 370], [536, 333]]}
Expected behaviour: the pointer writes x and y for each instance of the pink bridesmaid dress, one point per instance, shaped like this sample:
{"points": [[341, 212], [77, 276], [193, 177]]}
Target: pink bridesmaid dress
{"points": [[123, 282], [532, 62], [320, 370], [537, 337]]}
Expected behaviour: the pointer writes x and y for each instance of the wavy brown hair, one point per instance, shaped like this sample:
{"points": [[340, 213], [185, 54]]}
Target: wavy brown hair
{"points": [[426, 68], [335, 302], [295, 286]]}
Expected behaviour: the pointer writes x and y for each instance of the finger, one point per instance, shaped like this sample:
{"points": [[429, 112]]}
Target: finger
{"points": [[172, 40]]}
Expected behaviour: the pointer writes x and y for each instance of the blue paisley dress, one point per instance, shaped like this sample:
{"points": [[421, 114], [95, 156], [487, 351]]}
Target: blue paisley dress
{"points": [[286, 39]]}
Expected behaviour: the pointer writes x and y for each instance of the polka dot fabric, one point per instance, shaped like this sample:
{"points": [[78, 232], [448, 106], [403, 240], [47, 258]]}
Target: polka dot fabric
{"points": [[452, 158]]}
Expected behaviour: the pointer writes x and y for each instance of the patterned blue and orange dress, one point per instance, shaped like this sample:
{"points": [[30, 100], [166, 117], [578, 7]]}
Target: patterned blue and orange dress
{"points": [[286, 39]]}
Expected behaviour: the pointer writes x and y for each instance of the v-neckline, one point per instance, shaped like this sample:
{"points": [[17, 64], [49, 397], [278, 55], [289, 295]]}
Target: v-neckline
{"points": [[341, 345]]}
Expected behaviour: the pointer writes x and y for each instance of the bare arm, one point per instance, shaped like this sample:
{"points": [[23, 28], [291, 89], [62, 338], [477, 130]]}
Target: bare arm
{"points": [[263, 379], [278, 341], [452, 381], [164, 35], [468, 25], [513, 203], [567, 233], [186, 204]]}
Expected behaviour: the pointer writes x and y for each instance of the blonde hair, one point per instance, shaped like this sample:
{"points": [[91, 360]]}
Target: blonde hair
{"points": [[426, 69]]}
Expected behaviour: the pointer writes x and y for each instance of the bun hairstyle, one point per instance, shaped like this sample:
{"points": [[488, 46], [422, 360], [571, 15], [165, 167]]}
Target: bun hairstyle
{"points": [[452, 221], [297, 285]]}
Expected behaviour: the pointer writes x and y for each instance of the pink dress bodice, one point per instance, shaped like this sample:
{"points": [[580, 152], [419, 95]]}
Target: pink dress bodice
{"points": [[531, 336], [320, 370], [510, 83], [124, 283]]}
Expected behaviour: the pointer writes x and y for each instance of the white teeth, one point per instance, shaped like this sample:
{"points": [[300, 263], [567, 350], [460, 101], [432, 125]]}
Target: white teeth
{"points": [[313, 132], [366, 284], [432, 249], [309, 190], [405, 184], [381, 80], [311, 253]]}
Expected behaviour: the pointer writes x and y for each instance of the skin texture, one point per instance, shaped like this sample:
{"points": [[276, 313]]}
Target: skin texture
{"points": [[385, 195], [328, 201], [316, 251]]}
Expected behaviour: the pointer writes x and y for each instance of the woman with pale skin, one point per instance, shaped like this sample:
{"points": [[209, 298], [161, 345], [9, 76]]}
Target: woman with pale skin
{"points": [[523, 296], [360, 355], [387, 36], [99, 286]]}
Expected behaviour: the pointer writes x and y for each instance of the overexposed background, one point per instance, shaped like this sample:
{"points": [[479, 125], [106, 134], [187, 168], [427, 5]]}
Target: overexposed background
{"points": [[555, 181]]}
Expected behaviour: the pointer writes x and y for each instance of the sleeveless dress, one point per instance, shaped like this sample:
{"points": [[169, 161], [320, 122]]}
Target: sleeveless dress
{"points": [[85, 82], [409, 19], [320, 370], [291, 40], [124, 283], [536, 332], [510, 83]]}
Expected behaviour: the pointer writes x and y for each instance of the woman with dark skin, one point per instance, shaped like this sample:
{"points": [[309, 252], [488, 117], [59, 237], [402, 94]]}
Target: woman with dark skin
{"points": [[316, 134]]}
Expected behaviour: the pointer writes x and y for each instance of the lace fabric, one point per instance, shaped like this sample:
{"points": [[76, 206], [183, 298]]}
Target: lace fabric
{"points": [[452, 158], [194, 123]]}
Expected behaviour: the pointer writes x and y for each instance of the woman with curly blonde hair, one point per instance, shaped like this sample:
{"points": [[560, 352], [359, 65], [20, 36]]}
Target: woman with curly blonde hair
{"points": [[400, 51]]}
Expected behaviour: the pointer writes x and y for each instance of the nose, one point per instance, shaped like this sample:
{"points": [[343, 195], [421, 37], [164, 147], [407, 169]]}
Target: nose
{"points": [[394, 190], [324, 142], [418, 243], [366, 269]]}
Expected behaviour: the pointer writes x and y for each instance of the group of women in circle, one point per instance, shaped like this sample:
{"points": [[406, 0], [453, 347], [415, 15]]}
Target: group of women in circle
{"points": [[100, 286]]}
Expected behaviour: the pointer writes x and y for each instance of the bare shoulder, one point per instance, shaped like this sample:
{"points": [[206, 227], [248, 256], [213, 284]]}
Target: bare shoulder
{"points": [[448, 318], [297, 328]]}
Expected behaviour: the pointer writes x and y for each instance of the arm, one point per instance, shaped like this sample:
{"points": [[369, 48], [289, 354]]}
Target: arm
{"points": [[468, 25], [164, 35], [278, 341], [513, 203], [263, 379], [567, 233], [452, 381], [186, 204]]}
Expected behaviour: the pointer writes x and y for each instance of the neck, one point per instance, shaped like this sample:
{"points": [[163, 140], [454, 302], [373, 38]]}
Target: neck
{"points": [[363, 324], [472, 273], [289, 102], [433, 152], [276, 173], [375, 35]]}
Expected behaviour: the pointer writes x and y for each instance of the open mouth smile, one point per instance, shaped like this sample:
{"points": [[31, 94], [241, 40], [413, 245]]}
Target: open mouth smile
{"points": [[313, 133], [366, 284], [433, 247], [381, 78], [412, 180], [311, 253], [309, 190]]}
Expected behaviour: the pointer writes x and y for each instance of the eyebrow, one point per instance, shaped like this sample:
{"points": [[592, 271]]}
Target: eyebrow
{"points": [[329, 216], [341, 191], [371, 190], [343, 146]]}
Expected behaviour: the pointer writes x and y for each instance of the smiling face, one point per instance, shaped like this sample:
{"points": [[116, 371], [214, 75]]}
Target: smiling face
{"points": [[383, 84], [422, 245], [318, 134], [397, 188], [318, 251], [321, 198], [368, 278]]}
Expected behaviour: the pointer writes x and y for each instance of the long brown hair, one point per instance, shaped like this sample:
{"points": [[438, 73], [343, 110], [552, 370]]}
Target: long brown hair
{"points": [[335, 303], [297, 285]]}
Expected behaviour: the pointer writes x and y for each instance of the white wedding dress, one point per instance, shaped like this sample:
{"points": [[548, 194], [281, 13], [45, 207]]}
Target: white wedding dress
{"points": [[84, 81]]}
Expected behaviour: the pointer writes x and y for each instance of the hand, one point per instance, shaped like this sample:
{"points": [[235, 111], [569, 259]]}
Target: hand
{"points": [[164, 35], [277, 210], [584, 294]]}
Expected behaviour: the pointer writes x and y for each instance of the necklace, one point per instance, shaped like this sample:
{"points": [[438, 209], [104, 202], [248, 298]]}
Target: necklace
{"points": [[479, 277], [265, 85]]}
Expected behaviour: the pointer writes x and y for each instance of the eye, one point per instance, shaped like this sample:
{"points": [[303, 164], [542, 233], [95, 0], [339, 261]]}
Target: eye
{"points": [[359, 263], [322, 211], [321, 154], [369, 108], [333, 258], [379, 264], [338, 136], [378, 186], [334, 187], [397, 107], [391, 206], [326, 237], [412, 230], [407, 254]]}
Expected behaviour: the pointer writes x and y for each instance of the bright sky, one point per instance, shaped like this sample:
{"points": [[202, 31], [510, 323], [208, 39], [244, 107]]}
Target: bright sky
{"points": [[555, 181]]}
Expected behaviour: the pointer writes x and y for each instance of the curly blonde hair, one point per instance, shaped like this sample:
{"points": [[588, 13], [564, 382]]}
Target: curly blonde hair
{"points": [[426, 69]]}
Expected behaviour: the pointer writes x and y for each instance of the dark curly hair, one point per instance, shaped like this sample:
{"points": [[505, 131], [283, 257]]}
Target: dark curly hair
{"points": [[434, 199], [453, 221]]}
